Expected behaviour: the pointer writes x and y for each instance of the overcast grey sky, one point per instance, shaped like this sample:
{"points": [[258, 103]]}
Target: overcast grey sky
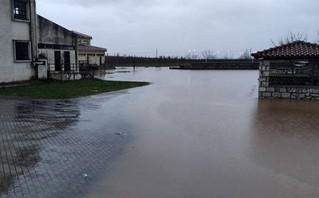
{"points": [[178, 26]]}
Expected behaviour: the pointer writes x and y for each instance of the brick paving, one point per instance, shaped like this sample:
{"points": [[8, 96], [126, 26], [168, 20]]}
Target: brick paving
{"points": [[57, 148]]}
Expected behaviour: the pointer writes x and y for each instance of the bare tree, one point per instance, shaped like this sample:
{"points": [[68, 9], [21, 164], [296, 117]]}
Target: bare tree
{"points": [[246, 55], [290, 38], [192, 55], [208, 55], [227, 56]]}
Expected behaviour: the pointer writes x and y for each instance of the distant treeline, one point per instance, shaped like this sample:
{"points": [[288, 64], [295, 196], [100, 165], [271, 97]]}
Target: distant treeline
{"points": [[113, 61], [143, 61]]}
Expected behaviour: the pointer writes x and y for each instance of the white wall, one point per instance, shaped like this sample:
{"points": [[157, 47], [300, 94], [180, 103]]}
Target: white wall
{"points": [[20, 31], [84, 41], [49, 53], [93, 60], [12, 30]]}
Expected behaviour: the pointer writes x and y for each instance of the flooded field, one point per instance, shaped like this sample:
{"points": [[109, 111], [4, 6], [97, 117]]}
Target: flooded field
{"points": [[188, 134], [205, 134]]}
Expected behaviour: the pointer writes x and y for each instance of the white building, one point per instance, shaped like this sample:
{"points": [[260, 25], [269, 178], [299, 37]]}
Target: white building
{"points": [[33, 47], [89, 55], [18, 42], [58, 47]]}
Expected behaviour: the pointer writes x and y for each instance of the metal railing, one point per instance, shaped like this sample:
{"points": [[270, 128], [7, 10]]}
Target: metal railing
{"points": [[74, 73]]}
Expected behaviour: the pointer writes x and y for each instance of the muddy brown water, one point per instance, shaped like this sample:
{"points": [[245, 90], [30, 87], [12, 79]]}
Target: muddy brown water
{"points": [[205, 134]]}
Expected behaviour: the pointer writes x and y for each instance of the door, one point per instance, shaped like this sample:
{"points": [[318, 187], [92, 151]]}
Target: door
{"points": [[100, 60], [57, 60], [67, 63]]}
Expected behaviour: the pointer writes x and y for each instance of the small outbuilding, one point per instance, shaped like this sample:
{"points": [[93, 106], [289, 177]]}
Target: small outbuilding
{"points": [[89, 55], [57, 47], [289, 71]]}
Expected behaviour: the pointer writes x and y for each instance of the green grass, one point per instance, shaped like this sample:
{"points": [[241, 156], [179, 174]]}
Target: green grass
{"points": [[68, 89], [5, 182]]}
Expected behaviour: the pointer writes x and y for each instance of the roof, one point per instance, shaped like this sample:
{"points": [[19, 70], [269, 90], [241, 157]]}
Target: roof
{"points": [[90, 48], [81, 35], [295, 50]]}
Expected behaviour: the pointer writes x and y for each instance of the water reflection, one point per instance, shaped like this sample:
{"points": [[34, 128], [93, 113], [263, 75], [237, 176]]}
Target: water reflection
{"points": [[205, 134], [286, 139], [25, 126]]}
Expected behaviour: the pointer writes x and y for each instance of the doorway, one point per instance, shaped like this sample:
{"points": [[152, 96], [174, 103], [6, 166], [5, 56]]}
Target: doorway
{"points": [[67, 62], [57, 60]]}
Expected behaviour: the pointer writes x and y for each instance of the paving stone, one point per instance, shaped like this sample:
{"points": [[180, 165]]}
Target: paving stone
{"points": [[46, 146]]}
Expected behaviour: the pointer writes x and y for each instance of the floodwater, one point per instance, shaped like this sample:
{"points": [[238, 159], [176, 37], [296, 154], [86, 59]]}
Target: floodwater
{"points": [[205, 134]]}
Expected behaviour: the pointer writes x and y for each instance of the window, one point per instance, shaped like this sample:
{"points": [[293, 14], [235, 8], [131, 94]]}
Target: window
{"points": [[296, 72], [84, 41], [20, 10], [22, 50]]}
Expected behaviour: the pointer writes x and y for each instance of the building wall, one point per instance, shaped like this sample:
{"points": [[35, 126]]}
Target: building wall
{"points": [[11, 70], [84, 41], [84, 57], [49, 54], [281, 91], [61, 75], [53, 37], [52, 33]]}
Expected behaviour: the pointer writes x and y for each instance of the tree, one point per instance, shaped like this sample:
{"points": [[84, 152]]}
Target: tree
{"points": [[290, 38], [192, 54], [227, 56], [246, 55], [208, 54]]}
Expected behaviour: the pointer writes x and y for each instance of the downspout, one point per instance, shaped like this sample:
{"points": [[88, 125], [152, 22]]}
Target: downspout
{"points": [[33, 33], [75, 38]]}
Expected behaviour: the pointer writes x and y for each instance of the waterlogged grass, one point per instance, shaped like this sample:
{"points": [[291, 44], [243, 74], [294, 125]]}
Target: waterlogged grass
{"points": [[5, 182], [68, 89]]}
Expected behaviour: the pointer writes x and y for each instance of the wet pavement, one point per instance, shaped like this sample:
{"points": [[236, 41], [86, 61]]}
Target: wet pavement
{"points": [[58, 148], [188, 134]]}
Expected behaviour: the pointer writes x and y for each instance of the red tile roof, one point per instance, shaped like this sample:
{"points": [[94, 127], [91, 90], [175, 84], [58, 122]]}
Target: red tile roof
{"points": [[90, 48], [295, 50]]}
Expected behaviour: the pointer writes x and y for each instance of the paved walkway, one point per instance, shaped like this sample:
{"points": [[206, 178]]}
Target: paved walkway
{"points": [[57, 148]]}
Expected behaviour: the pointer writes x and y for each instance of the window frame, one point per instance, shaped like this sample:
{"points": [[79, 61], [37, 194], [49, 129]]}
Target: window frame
{"points": [[27, 2], [15, 51]]}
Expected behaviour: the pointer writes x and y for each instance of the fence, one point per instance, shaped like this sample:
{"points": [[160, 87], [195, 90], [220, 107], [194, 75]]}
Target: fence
{"points": [[73, 73]]}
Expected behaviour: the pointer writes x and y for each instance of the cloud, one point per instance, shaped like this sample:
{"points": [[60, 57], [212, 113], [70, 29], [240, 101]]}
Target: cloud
{"points": [[175, 26], [96, 3]]}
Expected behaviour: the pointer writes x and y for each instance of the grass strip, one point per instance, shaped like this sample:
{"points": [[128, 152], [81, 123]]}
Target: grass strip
{"points": [[68, 89]]}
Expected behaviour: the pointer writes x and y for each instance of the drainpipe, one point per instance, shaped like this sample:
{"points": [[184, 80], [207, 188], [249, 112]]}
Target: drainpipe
{"points": [[75, 40], [33, 34]]}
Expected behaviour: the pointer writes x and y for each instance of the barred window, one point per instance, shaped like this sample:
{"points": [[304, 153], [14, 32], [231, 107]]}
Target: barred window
{"points": [[22, 51], [20, 10]]}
